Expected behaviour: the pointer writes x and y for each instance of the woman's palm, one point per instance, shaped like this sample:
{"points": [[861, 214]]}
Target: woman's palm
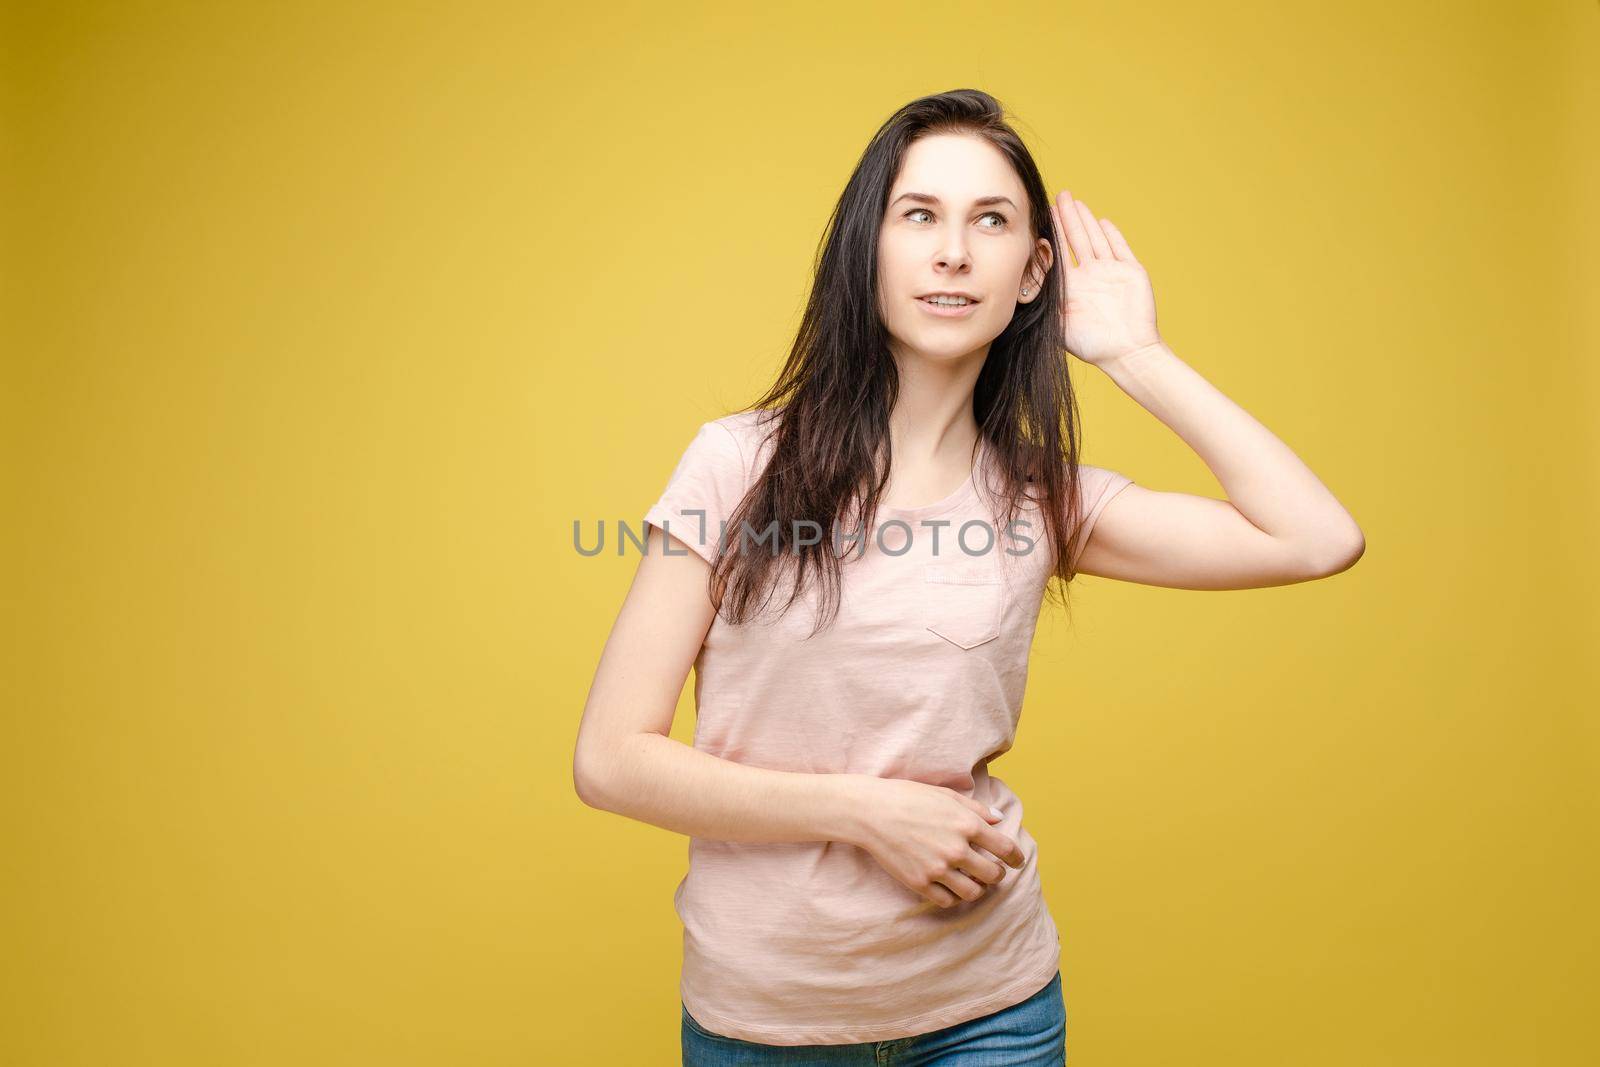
{"points": [[1110, 307]]}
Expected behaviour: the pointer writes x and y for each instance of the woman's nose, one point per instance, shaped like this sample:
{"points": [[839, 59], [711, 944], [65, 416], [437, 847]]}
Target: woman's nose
{"points": [[953, 256]]}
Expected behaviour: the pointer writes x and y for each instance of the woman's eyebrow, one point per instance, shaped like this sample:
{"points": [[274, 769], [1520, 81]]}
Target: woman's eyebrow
{"points": [[928, 198]]}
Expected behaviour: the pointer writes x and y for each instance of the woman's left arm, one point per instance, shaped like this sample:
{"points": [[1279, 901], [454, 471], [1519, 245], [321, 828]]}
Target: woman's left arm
{"points": [[1279, 524]]}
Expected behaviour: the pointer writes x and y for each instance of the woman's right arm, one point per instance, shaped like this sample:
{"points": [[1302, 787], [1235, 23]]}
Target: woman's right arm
{"points": [[926, 836], [625, 761]]}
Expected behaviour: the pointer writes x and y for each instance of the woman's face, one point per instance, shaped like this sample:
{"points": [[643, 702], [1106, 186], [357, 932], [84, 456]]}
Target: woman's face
{"points": [[942, 233]]}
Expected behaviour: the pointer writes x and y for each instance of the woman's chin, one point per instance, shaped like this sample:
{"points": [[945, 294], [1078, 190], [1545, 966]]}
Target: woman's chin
{"points": [[946, 349]]}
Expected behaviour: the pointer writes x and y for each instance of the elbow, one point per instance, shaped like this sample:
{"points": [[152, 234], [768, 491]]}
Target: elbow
{"points": [[606, 772], [588, 779], [1339, 554]]}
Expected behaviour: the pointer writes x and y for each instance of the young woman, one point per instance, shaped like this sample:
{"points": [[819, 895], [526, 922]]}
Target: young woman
{"points": [[854, 565]]}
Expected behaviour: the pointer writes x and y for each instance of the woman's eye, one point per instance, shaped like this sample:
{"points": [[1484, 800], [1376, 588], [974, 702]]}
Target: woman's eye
{"points": [[987, 215]]}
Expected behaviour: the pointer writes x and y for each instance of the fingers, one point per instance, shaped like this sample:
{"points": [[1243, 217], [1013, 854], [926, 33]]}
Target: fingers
{"points": [[966, 881], [1097, 237], [1090, 238], [998, 842], [1119, 244], [1002, 845], [962, 886], [970, 876], [982, 867], [1072, 223], [976, 805]]}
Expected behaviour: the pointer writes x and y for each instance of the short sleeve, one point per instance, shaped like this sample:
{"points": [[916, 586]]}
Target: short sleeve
{"points": [[1096, 487], [709, 478]]}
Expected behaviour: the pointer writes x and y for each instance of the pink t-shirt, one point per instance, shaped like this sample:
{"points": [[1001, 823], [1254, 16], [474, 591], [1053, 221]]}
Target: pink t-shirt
{"points": [[921, 676]]}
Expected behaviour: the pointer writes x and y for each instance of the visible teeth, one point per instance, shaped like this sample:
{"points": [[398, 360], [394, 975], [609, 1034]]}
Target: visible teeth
{"points": [[950, 301]]}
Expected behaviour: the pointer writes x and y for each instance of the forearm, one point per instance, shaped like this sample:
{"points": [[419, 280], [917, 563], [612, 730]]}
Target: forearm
{"points": [[655, 779], [1260, 474]]}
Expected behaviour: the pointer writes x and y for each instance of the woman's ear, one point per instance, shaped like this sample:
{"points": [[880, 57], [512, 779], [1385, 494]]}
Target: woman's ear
{"points": [[1038, 268]]}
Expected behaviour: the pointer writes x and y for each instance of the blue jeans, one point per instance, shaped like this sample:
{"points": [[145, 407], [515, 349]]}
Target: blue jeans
{"points": [[1030, 1034]]}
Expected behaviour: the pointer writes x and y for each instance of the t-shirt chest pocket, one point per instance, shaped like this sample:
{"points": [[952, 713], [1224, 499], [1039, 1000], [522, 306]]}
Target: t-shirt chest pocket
{"points": [[962, 601]]}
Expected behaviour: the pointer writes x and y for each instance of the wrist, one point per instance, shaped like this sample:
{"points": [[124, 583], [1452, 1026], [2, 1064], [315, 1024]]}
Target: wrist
{"points": [[1129, 362], [847, 808]]}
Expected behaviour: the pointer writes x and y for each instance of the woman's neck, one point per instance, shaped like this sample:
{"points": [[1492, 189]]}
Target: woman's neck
{"points": [[932, 420], [933, 447]]}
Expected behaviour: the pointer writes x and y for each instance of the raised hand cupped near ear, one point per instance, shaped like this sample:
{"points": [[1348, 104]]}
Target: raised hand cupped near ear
{"points": [[1110, 307]]}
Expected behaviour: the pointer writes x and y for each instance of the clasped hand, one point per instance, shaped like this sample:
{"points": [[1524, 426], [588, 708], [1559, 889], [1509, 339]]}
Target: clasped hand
{"points": [[934, 840]]}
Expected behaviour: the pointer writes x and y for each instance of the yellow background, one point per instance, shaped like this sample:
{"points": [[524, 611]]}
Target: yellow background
{"points": [[324, 322]]}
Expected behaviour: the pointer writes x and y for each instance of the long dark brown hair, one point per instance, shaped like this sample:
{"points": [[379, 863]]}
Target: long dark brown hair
{"points": [[829, 409]]}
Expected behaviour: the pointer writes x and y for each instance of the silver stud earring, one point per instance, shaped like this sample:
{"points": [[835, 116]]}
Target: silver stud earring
{"points": [[1024, 292]]}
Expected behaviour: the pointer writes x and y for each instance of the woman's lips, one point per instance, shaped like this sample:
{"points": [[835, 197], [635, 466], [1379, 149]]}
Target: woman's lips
{"points": [[948, 311]]}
